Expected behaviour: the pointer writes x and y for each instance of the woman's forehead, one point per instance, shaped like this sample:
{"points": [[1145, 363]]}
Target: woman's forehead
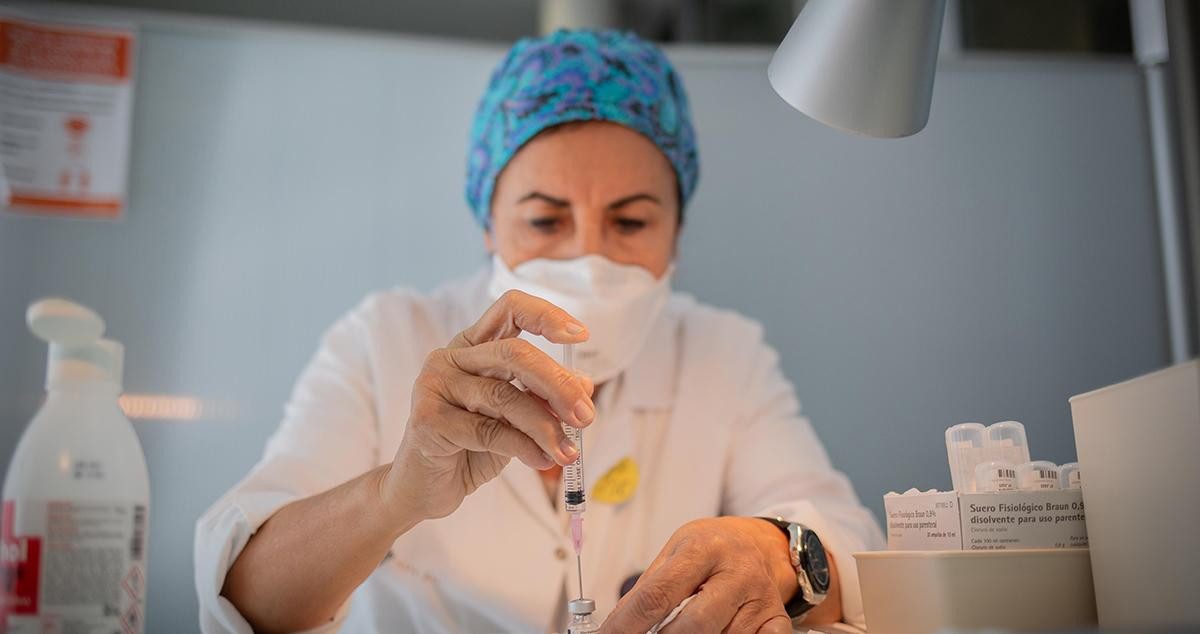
{"points": [[590, 151]]}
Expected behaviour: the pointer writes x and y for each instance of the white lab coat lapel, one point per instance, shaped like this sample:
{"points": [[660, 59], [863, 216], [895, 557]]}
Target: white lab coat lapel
{"points": [[648, 383], [526, 485], [698, 429]]}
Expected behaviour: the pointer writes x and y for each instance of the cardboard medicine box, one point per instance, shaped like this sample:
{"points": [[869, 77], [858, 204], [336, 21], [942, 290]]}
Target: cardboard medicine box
{"points": [[1005, 520]]}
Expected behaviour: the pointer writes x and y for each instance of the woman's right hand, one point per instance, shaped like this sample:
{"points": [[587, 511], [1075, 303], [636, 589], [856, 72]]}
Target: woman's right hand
{"points": [[468, 420]]}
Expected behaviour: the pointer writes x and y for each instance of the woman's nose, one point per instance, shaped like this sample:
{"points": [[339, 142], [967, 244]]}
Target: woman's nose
{"points": [[589, 239]]}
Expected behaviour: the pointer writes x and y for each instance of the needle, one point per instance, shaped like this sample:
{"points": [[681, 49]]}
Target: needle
{"points": [[579, 568]]}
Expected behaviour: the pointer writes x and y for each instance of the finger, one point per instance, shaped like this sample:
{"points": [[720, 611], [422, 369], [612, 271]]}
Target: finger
{"points": [[658, 592], [588, 384], [778, 624], [663, 555], [712, 609], [763, 616], [501, 400], [475, 432], [515, 312], [509, 359], [668, 551], [654, 565]]}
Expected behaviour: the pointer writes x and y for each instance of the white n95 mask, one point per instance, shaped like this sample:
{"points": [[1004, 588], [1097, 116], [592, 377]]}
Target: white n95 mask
{"points": [[617, 302]]}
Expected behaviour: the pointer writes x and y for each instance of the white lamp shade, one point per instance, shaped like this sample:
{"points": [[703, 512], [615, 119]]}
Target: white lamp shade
{"points": [[864, 66]]}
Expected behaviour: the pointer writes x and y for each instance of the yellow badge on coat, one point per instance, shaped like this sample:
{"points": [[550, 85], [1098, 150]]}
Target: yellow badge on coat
{"points": [[618, 485]]}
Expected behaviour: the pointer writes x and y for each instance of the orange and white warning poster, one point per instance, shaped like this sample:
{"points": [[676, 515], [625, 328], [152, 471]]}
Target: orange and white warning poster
{"points": [[66, 104]]}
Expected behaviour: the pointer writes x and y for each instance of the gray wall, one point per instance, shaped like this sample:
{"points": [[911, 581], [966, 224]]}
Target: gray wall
{"points": [[999, 262], [496, 20]]}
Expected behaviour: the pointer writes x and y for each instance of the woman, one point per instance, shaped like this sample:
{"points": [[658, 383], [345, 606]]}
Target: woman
{"points": [[388, 499]]}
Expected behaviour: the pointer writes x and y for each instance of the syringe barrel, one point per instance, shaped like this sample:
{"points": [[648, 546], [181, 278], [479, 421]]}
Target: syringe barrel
{"points": [[573, 487]]}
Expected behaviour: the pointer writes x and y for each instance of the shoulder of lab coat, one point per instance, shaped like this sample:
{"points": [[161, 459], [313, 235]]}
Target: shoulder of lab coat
{"points": [[777, 466], [330, 430]]}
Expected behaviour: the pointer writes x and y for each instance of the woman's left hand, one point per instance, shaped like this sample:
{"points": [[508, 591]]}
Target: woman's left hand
{"points": [[738, 568]]}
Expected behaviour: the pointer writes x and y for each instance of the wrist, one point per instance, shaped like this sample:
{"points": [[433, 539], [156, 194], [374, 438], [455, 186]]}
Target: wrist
{"points": [[396, 513], [819, 600], [775, 549]]}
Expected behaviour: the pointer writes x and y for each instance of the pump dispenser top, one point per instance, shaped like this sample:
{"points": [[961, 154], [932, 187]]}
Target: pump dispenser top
{"points": [[77, 352]]}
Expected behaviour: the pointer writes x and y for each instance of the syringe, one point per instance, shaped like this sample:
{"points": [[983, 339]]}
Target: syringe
{"points": [[573, 478]]}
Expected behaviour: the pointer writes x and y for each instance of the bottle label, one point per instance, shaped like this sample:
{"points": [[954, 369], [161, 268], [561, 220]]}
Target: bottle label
{"points": [[73, 566]]}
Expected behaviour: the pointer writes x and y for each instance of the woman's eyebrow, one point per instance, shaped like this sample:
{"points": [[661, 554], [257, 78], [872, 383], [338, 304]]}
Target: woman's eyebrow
{"points": [[546, 198], [632, 198]]}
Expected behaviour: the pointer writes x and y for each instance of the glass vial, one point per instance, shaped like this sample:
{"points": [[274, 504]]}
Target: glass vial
{"points": [[581, 617]]}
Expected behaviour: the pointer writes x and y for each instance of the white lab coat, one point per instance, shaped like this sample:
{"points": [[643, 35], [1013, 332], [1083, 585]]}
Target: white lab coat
{"points": [[704, 412]]}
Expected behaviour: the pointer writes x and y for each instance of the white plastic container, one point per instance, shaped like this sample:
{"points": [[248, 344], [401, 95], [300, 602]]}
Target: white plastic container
{"points": [[77, 494], [1068, 476], [918, 592], [995, 476], [964, 450], [1006, 441]]}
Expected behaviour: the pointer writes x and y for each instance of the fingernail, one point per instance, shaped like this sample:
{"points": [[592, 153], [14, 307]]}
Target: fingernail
{"points": [[568, 448], [584, 411], [547, 460], [574, 328]]}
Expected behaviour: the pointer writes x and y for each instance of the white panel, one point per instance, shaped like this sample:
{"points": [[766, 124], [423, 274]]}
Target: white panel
{"points": [[1138, 443]]}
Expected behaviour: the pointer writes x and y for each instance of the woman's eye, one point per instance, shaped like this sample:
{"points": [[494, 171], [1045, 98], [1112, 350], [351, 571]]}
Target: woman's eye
{"points": [[630, 225], [545, 225]]}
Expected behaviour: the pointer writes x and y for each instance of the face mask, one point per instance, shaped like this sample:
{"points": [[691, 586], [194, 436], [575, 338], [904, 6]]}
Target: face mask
{"points": [[617, 302]]}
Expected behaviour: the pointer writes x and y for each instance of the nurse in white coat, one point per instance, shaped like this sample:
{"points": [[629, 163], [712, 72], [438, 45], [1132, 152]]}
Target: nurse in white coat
{"points": [[389, 499]]}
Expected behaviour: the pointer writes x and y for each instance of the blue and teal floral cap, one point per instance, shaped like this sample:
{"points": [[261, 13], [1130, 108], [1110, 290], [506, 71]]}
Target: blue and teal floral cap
{"points": [[579, 75]]}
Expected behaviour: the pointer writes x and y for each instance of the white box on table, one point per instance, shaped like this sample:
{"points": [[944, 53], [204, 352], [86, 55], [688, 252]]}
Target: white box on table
{"points": [[918, 592], [986, 521]]}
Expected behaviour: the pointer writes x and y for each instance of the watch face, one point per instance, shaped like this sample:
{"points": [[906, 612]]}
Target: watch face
{"points": [[816, 563]]}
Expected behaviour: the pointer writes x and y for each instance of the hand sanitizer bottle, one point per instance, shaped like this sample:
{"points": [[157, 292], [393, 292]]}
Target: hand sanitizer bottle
{"points": [[77, 495]]}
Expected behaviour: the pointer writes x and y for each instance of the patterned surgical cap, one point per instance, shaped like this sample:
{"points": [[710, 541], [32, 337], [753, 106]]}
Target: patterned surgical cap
{"points": [[579, 76]]}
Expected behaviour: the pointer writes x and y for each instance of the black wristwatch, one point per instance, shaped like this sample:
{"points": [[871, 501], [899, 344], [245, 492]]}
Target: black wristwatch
{"points": [[811, 565]]}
